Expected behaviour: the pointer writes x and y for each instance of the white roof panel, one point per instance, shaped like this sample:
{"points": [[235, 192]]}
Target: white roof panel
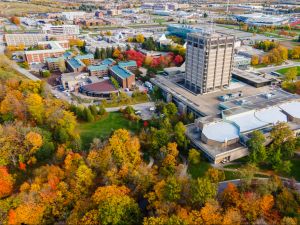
{"points": [[220, 131], [291, 108], [247, 121], [271, 115]]}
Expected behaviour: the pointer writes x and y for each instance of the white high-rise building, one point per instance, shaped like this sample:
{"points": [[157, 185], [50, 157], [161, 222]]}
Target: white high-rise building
{"points": [[209, 60]]}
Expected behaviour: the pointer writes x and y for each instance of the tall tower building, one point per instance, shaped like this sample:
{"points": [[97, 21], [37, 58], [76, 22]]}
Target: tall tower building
{"points": [[209, 59]]}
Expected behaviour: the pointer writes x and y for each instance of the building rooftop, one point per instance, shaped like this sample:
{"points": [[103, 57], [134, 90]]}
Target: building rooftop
{"points": [[54, 59], [100, 87], [86, 56], [220, 131], [207, 104], [121, 72], [75, 63], [292, 108], [68, 54], [97, 67], [128, 63], [108, 61]]}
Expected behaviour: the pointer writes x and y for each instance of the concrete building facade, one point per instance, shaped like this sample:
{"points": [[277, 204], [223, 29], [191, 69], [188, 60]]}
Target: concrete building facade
{"points": [[209, 61]]}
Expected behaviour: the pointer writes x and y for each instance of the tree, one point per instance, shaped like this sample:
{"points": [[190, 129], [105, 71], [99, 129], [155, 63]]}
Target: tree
{"points": [[172, 189], [257, 147], [286, 203], [178, 60], [140, 38], [61, 65], [84, 179], [6, 182], [283, 143], [291, 74], [46, 73], [103, 53], [201, 190], [215, 175], [254, 60], [179, 131], [93, 110], [230, 197], [87, 115], [125, 149], [15, 20], [210, 213], [35, 107], [119, 210], [115, 82], [194, 156], [116, 53], [97, 54]]}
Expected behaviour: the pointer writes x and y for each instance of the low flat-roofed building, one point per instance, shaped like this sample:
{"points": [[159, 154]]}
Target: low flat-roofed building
{"points": [[250, 78], [241, 62], [225, 138], [102, 89], [72, 81]]}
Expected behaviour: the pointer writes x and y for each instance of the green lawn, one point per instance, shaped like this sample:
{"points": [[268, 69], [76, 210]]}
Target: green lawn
{"points": [[104, 127], [260, 66], [198, 170], [295, 170], [284, 70]]}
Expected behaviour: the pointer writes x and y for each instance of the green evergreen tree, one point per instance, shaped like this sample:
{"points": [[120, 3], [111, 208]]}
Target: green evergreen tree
{"points": [[88, 116], [97, 54]]}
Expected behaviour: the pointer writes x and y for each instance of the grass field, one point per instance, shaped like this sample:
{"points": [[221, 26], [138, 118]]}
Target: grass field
{"points": [[6, 70], [104, 127], [21, 8], [295, 171], [198, 170], [284, 70]]}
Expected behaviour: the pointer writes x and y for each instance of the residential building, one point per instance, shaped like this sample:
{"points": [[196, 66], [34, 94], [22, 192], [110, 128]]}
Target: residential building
{"points": [[61, 29], [24, 39], [51, 49], [125, 78], [53, 63], [75, 65], [209, 60], [98, 70]]}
